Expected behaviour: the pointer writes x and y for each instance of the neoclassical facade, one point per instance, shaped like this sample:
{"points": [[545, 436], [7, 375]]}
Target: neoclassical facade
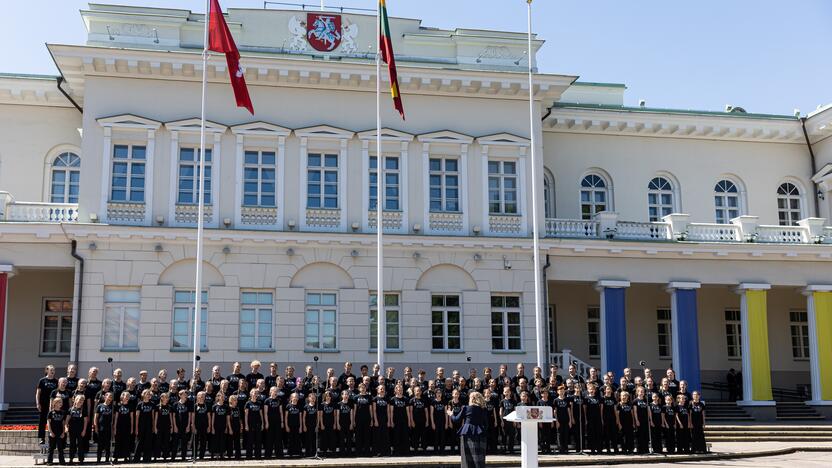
{"points": [[692, 239]]}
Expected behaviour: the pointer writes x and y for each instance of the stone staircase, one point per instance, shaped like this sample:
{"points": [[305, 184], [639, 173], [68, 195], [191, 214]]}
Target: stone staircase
{"points": [[21, 415], [768, 433], [725, 411], [797, 411]]}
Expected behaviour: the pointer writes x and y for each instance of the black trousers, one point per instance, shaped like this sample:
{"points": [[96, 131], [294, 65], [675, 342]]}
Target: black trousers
{"points": [[104, 438], [509, 437], [310, 441], [362, 438], [381, 440], [180, 444], [294, 448], [563, 438], [544, 438], [254, 446], [75, 444], [439, 439], [329, 440], [218, 440], [44, 410], [233, 445], [643, 438], [578, 435], [610, 439], [656, 436], [683, 440], [124, 445], [144, 445], [417, 434], [162, 446], [594, 436], [627, 438], [491, 439], [200, 442], [697, 439], [56, 443], [670, 440], [345, 440], [274, 440], [401, 438]]}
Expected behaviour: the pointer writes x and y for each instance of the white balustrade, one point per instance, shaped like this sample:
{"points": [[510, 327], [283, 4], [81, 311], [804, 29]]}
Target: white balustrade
{"points": [[441, 222], [827, 235], [565, 358], [576, 228], [392, 220], [323, 218], [708, 232], [35, 212], [187, 214], [505, 224], [642, 231], [258, 215], [783, 234], [125, 212]]}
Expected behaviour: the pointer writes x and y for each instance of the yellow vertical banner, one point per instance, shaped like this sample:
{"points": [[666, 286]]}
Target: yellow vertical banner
{"points": [[823, 330], [758, 342]]}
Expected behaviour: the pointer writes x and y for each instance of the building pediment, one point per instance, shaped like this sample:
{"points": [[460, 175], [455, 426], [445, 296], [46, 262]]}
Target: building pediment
{"points": [[324, 131], [446, 136], [193, 125], [387, 134], [260, 128], [129, 121], [503, 139]]}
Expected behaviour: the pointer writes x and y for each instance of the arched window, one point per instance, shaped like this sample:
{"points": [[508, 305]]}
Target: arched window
{"points": [[594, 195], [788, 204], [66, 176], [726, 201], [548, 194], [659, 198]]}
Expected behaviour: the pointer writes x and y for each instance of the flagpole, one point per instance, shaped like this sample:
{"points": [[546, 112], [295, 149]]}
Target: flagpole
{"points": [[381, 317], [538, 310]]}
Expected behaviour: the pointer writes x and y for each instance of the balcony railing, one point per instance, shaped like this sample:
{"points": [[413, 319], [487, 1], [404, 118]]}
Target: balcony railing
{"points": [[575, 228], [37, 212]]}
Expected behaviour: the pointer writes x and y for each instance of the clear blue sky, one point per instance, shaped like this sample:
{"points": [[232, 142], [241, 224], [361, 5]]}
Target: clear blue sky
{"points": [[768, 56]]}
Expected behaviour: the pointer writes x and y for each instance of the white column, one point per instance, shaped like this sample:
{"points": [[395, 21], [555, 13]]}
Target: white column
{"points": [[9, 269], [302, 202], [365, 185], [150, 154], [280, 180], [486, 221], [216, 171], [174, 169], [403, 187], [238, 180], [105, 172], [463, 187], [426, 188], [342, 185], [814, 349]]}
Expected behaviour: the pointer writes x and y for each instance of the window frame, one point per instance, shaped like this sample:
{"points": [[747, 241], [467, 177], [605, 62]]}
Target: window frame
{"points": [[590, 320], [260, 166], [320, 308], [792, 215], [549, 207], [72, 166], [802, 328], [122, 307], [373, 307], [322, 170], [257, 307], [203, 318], [131, 162], [502, 191], [657, 191], [724, 210], [60, 315], [208, 193], [505, 311], [592, 190], [387, 172], [667, 333], [443, 173], [445, 309], [733, 327]]}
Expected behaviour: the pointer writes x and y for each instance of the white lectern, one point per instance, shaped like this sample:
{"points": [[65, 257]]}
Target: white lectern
{"points": [[529, 418]]}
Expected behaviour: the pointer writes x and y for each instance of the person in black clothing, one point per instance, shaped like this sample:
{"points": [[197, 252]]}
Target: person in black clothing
{"points": [[274, 424], [610, 439], [656, 423], [400, 417], [55, 425], [76, 428], [271, 379], [327, 425], [364, 420], [731, 381], [626, 420], [143, 429], [312, 419], [123, 429], [46, 385], [71, 378], [345, 423], [642, 421], [439, 422], [143, 383], [564, 419], [492, 405], [183, 419], [578, 430], [103, 426], [342, 379], [593, 414], [545, 431], [218, 426], [234, 431], [669, 425], [62, 391], [381, 423], [682, 425], [201, 425], [294, 425], [92, 389], [163, 425], [455, 405], [162, 378], [672, 383], [418, 410], [118, 385], [697, 424], [507, 405], [255, 375], [254, 426]]}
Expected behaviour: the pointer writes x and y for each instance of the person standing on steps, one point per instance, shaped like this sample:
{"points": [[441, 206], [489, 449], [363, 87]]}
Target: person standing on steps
{"points": [[473, 420]]}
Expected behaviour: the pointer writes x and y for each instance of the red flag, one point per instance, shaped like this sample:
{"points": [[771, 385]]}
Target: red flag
{"points": [[220, 40]]}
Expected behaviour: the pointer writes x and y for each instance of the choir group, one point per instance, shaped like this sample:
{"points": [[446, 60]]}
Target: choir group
{"points": [[371, 414]]}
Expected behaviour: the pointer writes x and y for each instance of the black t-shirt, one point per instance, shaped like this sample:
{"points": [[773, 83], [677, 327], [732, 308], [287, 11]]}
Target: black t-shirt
{"points": [[328, 415], [63, 395], [609, 408], [419, 406], [220, 414], [342, 380], [234, 381], [641, 410], [682, 414], [562, 406], [118, 387], [577, 404], [625, 415], [593, 408], [71, 383], [46, 386], [252, 378], [201, 411], [508, 405], [292, 416], [56, 421], [236, 418], [656, 414], [181, 411], [253, 412], [76, 419], [344, 409], [381, 410], [163, 421], [145, 410], [362, 407], [274, 410], [271, 381], [310, 413], [697, 413], [673, 386], [105, 417], [670, 416], [93, 387]]}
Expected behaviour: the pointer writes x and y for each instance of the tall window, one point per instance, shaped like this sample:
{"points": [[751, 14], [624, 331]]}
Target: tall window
{"points": [[726, 201], [444, 184], [188, 176], [183, 321], [548, 194], [593, 196], [321, 311], [664, 329], [128, 173], [259, 171], [788, 204], [502, 187], [391, 312], [256, 320], [733, 332], [659, 198], [57, 327], [593, 327], [446, 323], [799, 325], [322, 181], [391, 183], [66, 175], [121, 319], [505, 323]]}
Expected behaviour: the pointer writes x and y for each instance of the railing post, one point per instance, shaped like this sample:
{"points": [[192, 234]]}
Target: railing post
{"points": [[748, 226], [815, 227], [567, 358], [678, 225], [607, 223]]}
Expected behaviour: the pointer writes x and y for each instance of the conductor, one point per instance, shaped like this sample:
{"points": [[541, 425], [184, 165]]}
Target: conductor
{"points": [[474, 418]]}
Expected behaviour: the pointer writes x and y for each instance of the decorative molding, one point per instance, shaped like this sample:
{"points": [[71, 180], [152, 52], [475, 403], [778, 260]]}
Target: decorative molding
{"points": [[129, 122]]}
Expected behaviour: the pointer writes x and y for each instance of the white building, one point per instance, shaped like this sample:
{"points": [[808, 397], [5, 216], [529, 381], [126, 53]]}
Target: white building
{"points": [[685, 237]]}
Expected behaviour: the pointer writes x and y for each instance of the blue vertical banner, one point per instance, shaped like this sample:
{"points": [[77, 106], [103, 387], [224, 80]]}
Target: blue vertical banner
{"points": [[686, 357], [615, 330]]}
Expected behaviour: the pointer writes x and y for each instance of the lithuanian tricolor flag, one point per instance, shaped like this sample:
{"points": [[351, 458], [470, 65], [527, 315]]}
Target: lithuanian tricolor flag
{"points": [[386, 46]]}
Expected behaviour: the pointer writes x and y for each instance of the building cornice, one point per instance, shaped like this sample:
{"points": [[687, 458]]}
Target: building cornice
{"points": [[31, 90], [566, 118]]}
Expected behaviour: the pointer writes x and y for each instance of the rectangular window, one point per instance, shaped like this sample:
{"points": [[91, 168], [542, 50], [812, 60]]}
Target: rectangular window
{"points": [[321, 323], [444, 179], [664, 333], [446, 323], [505, 323], [183, 321], [259, 176], [127, 184], [733, 332], [256, 318], [502, 187], [322, 181], [391, 312], [593, 327], [188, 176], [799, 325], [57, 327], [121, 319], [391, 183]]}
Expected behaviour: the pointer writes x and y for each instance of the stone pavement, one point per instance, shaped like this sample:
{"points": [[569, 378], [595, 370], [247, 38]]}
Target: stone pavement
{"points": [[720, 451]]}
